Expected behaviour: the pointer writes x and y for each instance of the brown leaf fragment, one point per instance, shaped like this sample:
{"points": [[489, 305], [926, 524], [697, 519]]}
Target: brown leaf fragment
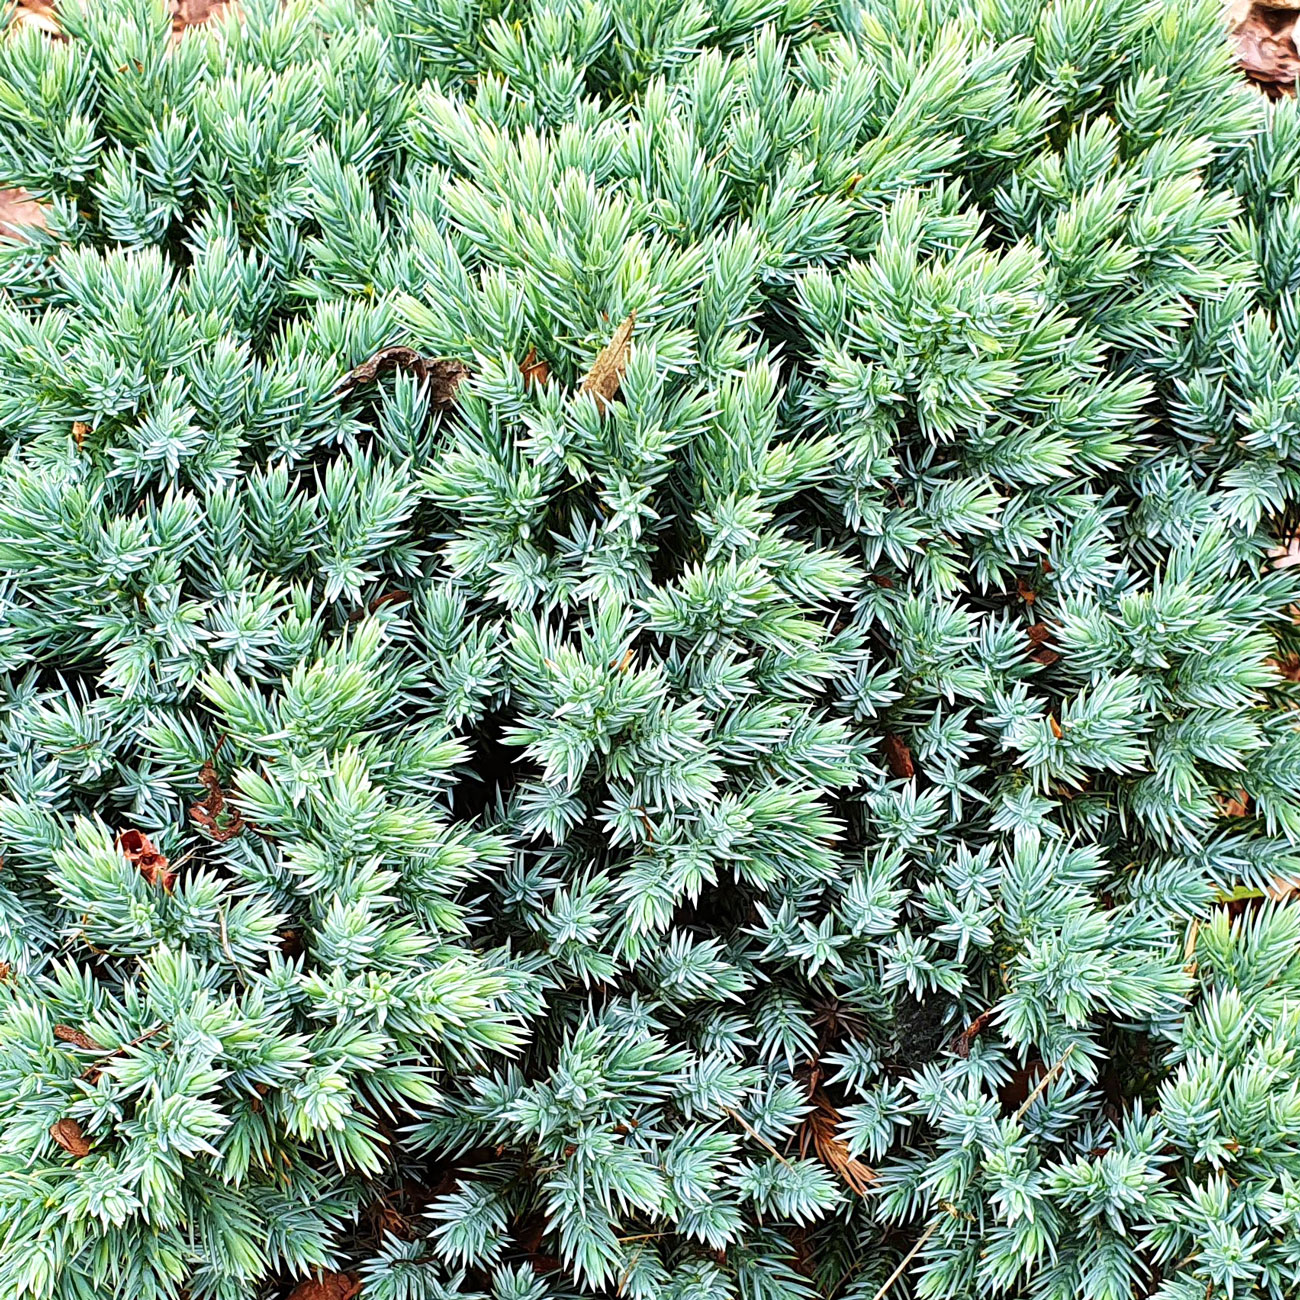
{"points": [[78, 1038], [1265, 38], [1039, 650], [386, 359], [67, 1133], [327, 1286], [388, 598], [899, 758], [211, 812], [6, 972], [1289, 667], [1234, 805], [139, 851], [1056, 728], [133, 844], [605, 377], [536, 371], [1285, 557], [820, 1130], [442, 375], [153, 867], [961, 1045], [195, 13], [19, 212], [79, 431], [1025, 591]]}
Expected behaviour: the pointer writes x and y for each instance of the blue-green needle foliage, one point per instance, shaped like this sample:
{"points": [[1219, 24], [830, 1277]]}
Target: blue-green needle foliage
{"points": [[718, 831]]}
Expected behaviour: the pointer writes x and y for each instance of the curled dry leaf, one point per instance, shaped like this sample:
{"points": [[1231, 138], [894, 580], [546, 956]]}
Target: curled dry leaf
{"points": [[327, 1286], [442, 375], [961, 1045], [899, 758], [1288, 667], [211, 812], [605, 377], [536, 371], [140, 852], [67, 1133]]}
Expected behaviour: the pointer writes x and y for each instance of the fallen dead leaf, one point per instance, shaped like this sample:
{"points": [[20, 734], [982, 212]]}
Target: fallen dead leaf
{"points": [[899, 758], [1235, 805], [1264, 32], [20, 212], [140, 852], [536, 371], [78, 1038], [194, 13], [605, 377], [327, 1286], [961, 1045], [211, 812], [67, 1133], [442, 375]]}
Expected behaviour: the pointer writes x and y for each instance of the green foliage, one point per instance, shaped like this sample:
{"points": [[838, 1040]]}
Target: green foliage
{"points": [[595, 819]]}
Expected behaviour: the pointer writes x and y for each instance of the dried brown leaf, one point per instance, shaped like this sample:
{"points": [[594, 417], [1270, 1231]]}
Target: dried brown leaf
{"points": [[1266, 45], [536, 371], [442, 375], [899, 758], [195, 13], [327, 1286], [140, 852], [78, 1038], [67, 1133], [605, 377], [962, 1043], [1233, 805], [211, 813], [27, 15], [20, 212]]}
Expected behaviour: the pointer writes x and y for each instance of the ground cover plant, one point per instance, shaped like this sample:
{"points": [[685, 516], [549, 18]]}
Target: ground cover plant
{"points": [[647, 653]]}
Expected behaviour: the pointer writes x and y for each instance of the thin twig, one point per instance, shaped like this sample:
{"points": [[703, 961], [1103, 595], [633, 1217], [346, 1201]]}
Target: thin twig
{"points": [[907, 1259], [1043, 1082], [758, 1137], [95, 1065]]}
